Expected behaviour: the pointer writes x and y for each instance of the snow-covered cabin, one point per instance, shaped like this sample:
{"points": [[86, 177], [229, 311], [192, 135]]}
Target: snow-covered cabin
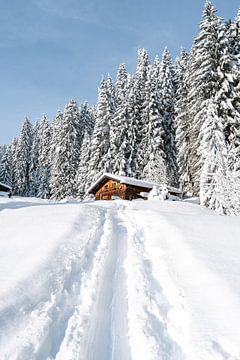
{"points": [[5, 190], [109, 186]]}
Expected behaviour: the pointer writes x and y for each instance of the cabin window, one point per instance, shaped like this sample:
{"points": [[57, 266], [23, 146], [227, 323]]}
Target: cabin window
{"points": [[114, 186], [106, 187]]}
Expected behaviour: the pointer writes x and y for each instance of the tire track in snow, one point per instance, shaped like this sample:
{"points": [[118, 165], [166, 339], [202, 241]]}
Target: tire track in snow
{"points": [[39, 326], [148, 307], [98, 328]]}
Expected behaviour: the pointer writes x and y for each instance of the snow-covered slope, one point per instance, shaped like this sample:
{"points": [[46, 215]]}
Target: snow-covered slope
{"points": [[118, 280]]}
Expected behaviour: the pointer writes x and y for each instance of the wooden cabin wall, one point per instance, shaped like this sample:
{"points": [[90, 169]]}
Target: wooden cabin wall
{"points": [[110, 188]]}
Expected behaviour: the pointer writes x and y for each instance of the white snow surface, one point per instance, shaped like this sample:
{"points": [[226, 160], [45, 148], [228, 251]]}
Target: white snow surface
{"points": [[141, 280]]}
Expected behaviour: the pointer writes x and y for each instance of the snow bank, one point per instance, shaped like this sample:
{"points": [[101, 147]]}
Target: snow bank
{"points": [[118, 280], [195, 258]]}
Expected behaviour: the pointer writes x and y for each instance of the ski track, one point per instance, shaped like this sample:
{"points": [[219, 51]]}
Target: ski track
{"points": [[104, 302], [98, 328], [148, 306], [40, 326]]}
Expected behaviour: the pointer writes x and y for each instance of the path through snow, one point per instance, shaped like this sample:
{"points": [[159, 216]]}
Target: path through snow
{"points": [[111, 281]]}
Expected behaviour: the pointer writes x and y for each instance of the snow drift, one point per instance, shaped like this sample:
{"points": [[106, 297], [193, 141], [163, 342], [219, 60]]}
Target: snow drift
{"points": [[118, 280]]}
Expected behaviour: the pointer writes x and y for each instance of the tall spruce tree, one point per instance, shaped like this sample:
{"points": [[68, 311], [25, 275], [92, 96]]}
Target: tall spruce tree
{"points": [[34, 180], [99, 160], [121, 84], [2, 150], [183, 125], [139, 122], [44, 159], [23, 158], [213, 158], [86, 119], [167, 96], [203, 83], [118, 125], [229, 90], [14, 162], [67, 151], [83, 181], [153, 138], [6, 168]]}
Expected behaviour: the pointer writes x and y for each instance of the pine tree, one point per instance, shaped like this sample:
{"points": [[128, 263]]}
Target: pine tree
{"points": [[100, 144], [121, 85], [134, 156], [167, 96], [34, 180], [2, 150], [14, 162], [138, 109], [183, 125], [229, 89], [55, 133], [118, 125], [203, 82], [6, 169], [86, 119], [153, 139], [23, 156], [142, 73], [67, 151], [82, 173], [118, 140], [44, 159], [213, 158]]}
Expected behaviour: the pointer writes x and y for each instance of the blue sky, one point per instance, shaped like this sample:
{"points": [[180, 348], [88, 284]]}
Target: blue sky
{"points": [[54, 50]]}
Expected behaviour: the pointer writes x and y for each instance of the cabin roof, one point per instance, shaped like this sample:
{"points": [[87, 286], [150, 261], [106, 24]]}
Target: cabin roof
{"points": [[6, 186], [129, 181]]}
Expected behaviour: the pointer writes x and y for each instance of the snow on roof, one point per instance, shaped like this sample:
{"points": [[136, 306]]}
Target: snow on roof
{"points": [[6, 186], [129, 181]]}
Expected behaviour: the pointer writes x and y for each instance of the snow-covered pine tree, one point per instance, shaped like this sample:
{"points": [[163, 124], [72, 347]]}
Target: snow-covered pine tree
{"points": [[55, 132], [118, 125], [99, 160], [14, 161], [142, 73], [2, 150], [121, 84], [167, 100], [67, 151], [178, 71], [139, 121], [6, 169], [118, 141], [183, 125], [153, 138], [54, 141], [44, 159], [203, 84], [229, 90], [133, 160], [86, 119], [213, 159], [83, 181], [156, 68], [34, 180], [234, 35], [23, 158]]}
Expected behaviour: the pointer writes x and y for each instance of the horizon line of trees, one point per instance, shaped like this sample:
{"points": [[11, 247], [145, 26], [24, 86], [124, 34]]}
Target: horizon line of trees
{"points": [[171, 122]]}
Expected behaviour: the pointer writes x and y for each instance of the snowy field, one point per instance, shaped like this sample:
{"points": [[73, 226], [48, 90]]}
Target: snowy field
{"points": [[139, 280]]}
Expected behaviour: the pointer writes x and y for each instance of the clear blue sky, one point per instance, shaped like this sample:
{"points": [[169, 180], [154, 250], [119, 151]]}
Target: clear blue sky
{"points": [[53, 50]]}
